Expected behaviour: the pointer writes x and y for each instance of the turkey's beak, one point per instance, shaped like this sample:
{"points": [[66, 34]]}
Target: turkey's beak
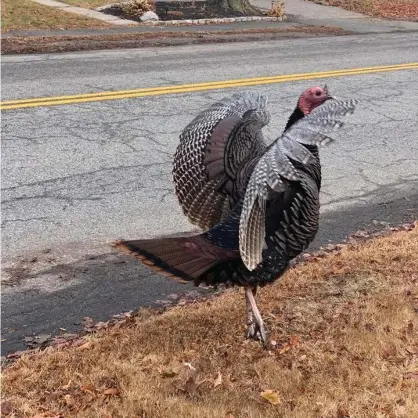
{"points": [[327, 92]]}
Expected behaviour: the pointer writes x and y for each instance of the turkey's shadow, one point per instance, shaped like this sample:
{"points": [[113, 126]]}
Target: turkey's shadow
{"points": [[101, 286]]}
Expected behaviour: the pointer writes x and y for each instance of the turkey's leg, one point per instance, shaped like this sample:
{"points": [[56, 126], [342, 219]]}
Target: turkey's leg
{"points": [[258, 323], [251, 327]]}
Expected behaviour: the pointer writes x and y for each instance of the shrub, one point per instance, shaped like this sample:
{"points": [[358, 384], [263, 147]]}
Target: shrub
{"points": [[277, 9], [136, 8]]}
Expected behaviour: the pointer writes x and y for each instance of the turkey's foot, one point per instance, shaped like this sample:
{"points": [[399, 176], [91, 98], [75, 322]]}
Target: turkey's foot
{"points": [[257, 332], [251, 331], [255, 324]]}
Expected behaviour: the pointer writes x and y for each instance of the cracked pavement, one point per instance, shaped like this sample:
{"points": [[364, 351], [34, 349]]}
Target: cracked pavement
{"points": [[77, 177]]}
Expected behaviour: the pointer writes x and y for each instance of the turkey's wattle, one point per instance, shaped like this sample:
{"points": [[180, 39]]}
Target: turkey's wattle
{"points": [[258, 205]]}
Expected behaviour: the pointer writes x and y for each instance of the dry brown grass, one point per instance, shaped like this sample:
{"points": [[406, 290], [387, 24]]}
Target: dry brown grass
{"points": [[277, 9], [26, 14], [62, 43], [346, 328], [390, 9], [136, 8]]}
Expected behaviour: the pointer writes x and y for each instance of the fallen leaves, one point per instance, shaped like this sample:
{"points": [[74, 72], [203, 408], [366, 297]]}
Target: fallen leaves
{"points": [[111, 392], [88, 388], [88, 324], [189, 365], [85, 345], [37, 340], [218, 381], [168, 373], [190, 386], [6, 407], [69, 400], [271, 396], [292, 343], [319, 336]]}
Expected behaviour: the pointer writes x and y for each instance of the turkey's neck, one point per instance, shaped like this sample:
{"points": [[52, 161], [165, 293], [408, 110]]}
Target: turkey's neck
{"points": [[313, 169], [294, 117]]}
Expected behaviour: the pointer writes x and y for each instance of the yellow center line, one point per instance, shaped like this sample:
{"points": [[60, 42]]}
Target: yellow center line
{"points": [[187, 88]]}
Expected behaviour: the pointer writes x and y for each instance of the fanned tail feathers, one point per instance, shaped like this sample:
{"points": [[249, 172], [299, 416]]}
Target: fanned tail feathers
{"points": [[166, 258], [182, 258]]}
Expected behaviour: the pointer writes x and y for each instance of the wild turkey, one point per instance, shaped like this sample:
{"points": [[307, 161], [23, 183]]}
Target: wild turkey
{"points": [[260, 204], [205, 182]]}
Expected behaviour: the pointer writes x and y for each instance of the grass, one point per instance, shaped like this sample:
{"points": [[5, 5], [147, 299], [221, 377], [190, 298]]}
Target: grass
{"points": [[61, 43], [26, 14], [390, 9], [346, 328]]}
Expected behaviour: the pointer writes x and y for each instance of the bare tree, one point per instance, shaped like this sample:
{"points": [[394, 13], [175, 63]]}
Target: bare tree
{"points": [[242, 6]]}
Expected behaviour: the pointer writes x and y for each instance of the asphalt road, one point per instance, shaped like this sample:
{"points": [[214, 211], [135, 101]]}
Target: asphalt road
{"points": [[76, 177]]}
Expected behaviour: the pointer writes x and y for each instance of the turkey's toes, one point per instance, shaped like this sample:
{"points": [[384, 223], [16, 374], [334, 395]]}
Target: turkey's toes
{"points": [[258, 333], [263, 335], [252, 331]]}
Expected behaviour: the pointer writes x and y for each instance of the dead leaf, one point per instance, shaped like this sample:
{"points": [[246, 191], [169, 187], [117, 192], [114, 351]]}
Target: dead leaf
{"points": [[6, 407], [218, 381], [37, 340], [15, 355], [271, 396], [151, 358], [69, 400], [88, 388], [67, 386], [85, 346], [228, 382], [285, 347], [102, 325], [168, 373], [88, 323], [111, 392], [190, 386], [343, 412], [193, 369]]}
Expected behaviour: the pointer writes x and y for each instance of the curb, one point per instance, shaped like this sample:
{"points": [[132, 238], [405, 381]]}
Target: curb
{"points": [[212, 21]]}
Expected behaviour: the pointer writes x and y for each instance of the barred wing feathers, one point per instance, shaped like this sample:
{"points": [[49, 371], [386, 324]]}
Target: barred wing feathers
{"points": [[275, 170]]}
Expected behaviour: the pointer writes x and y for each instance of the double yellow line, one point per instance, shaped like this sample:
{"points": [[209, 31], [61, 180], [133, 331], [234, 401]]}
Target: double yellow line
{"points": [[187, 88]]}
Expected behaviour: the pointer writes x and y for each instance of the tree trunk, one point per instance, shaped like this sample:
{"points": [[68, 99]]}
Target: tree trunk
{"points": [[241, 6]]}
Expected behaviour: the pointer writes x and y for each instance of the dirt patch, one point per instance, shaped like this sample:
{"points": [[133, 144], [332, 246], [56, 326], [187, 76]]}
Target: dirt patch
{"points": [[345, 328], [400, 9], [29, 45], [26, 14]]}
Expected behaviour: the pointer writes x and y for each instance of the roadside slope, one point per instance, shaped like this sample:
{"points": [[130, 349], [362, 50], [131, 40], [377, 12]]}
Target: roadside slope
{"points": [[345, 330]]}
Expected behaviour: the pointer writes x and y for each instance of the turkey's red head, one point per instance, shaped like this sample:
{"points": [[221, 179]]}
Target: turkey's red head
{"points": [[312, 98]]}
